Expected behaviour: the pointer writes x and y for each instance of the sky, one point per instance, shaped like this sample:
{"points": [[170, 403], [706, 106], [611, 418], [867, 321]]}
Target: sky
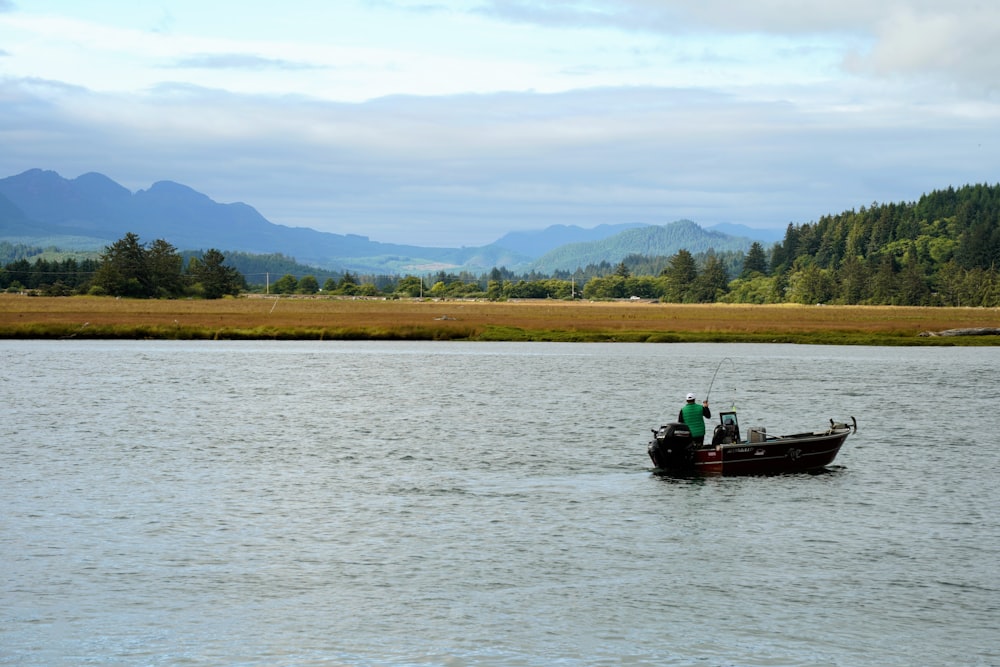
{"points": [[452, 122]]}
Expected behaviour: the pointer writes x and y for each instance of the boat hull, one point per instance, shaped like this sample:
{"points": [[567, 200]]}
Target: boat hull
{"points": [[804, 452]]}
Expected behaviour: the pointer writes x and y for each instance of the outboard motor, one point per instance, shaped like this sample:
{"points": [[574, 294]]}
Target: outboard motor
{"points": [[672, 447]]}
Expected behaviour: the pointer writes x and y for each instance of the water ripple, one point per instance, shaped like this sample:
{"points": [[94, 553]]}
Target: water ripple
{"points": [[452, 504]]}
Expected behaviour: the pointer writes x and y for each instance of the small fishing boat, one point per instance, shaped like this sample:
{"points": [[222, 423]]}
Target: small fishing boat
{"points": [[672, 449]]}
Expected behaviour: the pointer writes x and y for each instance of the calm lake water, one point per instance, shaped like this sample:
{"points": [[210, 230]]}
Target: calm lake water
{"points": [[270, 503]]}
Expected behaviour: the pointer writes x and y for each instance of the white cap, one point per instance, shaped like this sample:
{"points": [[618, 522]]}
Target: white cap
{"points": [[690, 397]]}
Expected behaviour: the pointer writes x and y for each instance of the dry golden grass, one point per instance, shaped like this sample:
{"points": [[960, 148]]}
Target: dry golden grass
{"points": [[316, 318]]}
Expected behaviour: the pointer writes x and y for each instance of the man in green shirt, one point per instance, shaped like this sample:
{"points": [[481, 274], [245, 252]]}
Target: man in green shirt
{"points": [[694, 416]]}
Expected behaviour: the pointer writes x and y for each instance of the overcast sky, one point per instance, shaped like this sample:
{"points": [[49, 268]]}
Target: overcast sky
{"points": [[451, 122]]}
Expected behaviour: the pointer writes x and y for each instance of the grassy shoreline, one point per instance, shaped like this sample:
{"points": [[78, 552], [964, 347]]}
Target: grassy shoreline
{"points": [[273, 318]]}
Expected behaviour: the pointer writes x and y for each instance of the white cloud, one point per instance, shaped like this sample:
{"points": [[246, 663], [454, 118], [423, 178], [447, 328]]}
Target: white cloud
{"points": [[463, 170], [454, 123], [349, 53], [954, 41], [950, 46]]}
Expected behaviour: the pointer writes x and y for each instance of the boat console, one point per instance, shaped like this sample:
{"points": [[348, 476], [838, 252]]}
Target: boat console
{"points": [[728, 430]]}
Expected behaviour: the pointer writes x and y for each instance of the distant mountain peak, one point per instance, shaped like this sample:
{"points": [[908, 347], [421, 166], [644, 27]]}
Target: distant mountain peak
{"points": [[535, 243], [772, 235], [101, 185], [651, 240], [40, 203], [173, 189]]}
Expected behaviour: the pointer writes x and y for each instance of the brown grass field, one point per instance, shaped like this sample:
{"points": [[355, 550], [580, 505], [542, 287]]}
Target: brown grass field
{"points": [[324, 318]]}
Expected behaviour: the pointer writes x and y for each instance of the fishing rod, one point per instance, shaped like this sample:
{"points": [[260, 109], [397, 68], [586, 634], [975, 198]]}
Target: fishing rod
{"points": [[725, 359]]}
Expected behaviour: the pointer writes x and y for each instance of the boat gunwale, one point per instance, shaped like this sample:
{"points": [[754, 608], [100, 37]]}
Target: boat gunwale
{"points": [[785, 439]]}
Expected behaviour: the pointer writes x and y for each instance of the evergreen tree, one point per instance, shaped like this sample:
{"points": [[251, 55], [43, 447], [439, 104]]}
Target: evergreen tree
{"points": [[165, 265], [912, 288], [852, 278], [215, 278], [884, 281], [348, 284], [977, 246], [679, 276], [784, 253], [755, 261], [124, 270], [711, 283]]}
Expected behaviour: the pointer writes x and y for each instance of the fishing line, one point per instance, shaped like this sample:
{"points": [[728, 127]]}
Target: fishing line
{"points": [[725, 359]]}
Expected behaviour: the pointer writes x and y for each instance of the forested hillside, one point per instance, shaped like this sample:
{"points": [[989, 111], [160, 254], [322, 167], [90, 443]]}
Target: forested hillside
{"points": [[941, 250], [650, 241]]}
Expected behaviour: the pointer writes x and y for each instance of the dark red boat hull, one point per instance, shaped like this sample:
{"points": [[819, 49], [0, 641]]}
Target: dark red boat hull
{"points": [[804, 452], [784, 455]]}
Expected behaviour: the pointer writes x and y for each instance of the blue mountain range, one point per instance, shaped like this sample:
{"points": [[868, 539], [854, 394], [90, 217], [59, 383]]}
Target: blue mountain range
{"points": [[92, 211]]}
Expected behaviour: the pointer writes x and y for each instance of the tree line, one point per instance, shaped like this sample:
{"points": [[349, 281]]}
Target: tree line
{"points": [[128, 268], [942, 250]]}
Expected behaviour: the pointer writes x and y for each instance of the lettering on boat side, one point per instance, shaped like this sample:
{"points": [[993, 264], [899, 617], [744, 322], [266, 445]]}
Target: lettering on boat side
{"points": [[742, 450]]}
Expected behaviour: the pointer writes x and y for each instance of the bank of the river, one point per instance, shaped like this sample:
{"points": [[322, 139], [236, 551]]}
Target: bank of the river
{"points": [[349, 319]]}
